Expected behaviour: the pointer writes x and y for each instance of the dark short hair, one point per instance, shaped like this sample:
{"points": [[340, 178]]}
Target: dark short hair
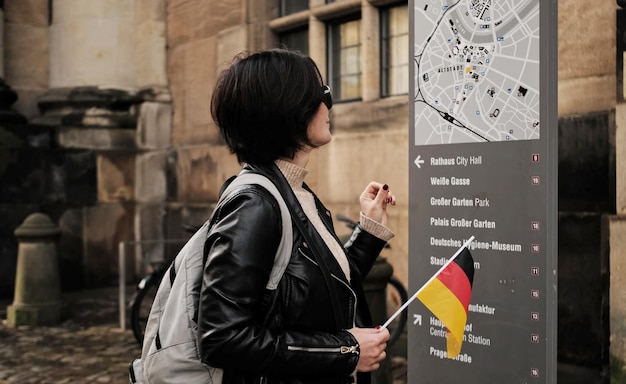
{"points": [[264, 102]]}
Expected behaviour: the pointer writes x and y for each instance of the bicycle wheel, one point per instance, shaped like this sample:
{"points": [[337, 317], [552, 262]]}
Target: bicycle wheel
{"points": [[141, 303]]}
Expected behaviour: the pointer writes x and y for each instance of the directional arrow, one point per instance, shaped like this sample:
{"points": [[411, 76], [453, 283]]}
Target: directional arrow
{"points": [[417, 319], [419, 161]]}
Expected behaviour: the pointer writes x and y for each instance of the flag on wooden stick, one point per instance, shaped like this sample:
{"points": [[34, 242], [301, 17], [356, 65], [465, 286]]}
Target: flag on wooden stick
{"points": [[447, 295]]}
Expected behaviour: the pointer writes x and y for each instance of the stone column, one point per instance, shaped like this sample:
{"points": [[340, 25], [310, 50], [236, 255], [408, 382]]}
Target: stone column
{"points": [[109, 98], [37, 299]]}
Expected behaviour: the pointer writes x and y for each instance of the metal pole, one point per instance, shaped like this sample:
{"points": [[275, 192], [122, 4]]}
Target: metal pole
{"points": [[122, 284]]}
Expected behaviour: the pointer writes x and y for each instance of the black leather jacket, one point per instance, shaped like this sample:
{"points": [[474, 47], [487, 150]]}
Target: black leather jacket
{"points": [[293, 334]]}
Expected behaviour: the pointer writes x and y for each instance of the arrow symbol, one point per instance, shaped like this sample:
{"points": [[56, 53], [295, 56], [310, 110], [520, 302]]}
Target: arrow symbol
{"points": [[419, 161], [417, 319]]}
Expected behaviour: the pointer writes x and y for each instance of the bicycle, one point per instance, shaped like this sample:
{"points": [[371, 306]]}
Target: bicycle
{"points": [[145, 291], [143, 298], [395, 283]]}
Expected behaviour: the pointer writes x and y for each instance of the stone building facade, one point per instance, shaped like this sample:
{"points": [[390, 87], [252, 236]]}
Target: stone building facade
{"points": [[117, 143]]}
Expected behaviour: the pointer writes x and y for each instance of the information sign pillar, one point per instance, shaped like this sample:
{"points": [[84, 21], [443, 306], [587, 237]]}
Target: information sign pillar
{"points": [[483, 152]]}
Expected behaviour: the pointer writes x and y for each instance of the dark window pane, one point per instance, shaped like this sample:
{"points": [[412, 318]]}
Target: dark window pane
{"points": [[287, 7], [297, 40]]}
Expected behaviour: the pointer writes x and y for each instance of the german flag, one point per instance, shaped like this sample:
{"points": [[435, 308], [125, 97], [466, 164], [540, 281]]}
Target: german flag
{"points": [[447, 296]]}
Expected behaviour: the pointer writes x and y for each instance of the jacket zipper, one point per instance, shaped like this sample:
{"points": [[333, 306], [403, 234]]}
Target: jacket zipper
{"points": [[353, 295], [341, 281], [344, 350]]}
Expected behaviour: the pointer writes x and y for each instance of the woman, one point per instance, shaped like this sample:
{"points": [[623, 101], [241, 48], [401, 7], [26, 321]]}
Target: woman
{"points": [[273, 111]]}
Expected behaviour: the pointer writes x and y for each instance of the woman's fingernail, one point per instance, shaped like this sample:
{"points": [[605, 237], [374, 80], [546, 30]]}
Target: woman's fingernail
{"points": [[378, 327], [385, 187]]}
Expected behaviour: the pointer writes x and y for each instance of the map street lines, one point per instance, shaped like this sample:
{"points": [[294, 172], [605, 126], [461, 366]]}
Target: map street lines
{"points": [[477, 71]]}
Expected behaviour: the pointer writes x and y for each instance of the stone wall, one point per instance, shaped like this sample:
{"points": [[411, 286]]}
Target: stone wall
{"points": [[586, 197], [586, 56], [96, 154]]}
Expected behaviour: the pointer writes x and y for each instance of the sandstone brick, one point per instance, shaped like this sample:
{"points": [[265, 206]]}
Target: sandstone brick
{"points": [[150, 235], [106, 224], [79, 41], [116, 176], [190, 20], [151, 176], [192, 119], [582, 95], [150, 10], [94, 9], [585, 51], [96, 138], [154, 128], [199, 84], [214, 163], [231, 42], [338, 181], [150, 55], [31, 12]]}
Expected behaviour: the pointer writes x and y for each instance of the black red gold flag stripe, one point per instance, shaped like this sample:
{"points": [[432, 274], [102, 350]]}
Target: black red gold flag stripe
{"points": [[447, 296]]}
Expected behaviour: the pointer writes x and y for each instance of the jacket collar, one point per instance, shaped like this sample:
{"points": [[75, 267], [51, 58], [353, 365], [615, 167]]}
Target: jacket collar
{"points": [[275, 174]]}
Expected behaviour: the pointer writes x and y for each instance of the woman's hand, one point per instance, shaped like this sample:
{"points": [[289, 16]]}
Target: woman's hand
{"points": [[372, 345], [374, 201]]}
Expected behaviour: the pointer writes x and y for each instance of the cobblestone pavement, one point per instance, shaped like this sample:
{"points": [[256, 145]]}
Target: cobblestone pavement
{"points": [[88, 347]]}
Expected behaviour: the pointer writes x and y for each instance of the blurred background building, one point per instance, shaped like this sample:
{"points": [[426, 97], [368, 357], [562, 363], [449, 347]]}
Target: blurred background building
{"points": [[105, 127]]}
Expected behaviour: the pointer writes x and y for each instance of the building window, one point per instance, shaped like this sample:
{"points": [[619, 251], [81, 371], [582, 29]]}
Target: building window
{"points": [[345, 60], [395, 51], [297, 40], [287, 7]]}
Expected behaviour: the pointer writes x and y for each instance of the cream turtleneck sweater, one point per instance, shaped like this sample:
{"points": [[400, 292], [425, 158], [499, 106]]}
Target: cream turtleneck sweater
{"points": [[295, 176]]}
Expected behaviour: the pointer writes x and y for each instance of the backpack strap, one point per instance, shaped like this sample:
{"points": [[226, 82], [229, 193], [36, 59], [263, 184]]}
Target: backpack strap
{"points": [[283, 253], [308, 232]]}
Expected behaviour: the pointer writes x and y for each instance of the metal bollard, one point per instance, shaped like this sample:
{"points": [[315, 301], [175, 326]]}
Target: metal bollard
{"points": [[375, 286], [37, 298]]}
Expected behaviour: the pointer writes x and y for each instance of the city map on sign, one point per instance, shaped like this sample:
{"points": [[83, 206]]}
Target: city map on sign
{"points": [[476, 71]]}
